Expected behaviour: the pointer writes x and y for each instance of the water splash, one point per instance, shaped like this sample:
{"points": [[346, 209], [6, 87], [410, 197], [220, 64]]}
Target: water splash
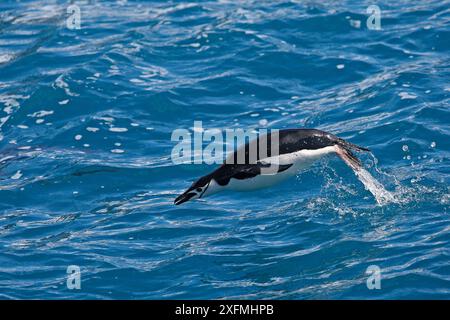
{"points": [[371, 184], [382, 196]]}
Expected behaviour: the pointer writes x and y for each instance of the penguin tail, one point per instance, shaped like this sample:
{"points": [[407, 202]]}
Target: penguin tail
{"points": [[349, 157], [351, 146], [344, 151]]}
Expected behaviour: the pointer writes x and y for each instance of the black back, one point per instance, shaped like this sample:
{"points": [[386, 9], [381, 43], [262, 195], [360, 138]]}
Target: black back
{"points": [[290, 140]]}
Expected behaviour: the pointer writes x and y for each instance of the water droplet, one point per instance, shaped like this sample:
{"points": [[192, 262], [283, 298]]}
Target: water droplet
{"points": [[369, 163]]}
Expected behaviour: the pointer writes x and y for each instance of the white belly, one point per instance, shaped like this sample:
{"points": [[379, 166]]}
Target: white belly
{"points": [[301, 160]]}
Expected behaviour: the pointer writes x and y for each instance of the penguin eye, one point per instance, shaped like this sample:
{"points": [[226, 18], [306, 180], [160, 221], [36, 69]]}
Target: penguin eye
{"points": [[199, 189]]}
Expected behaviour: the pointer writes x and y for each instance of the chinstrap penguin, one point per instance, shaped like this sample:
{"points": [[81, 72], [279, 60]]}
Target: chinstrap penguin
{"points": [[298, 150]]}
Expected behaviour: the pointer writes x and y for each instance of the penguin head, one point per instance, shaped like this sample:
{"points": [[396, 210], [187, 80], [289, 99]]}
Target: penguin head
{"points": [[197, 190]]}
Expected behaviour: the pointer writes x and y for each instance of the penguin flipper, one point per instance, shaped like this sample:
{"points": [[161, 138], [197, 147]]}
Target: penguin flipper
{"points": [[253, 170], [245, 171], [279, 167]]}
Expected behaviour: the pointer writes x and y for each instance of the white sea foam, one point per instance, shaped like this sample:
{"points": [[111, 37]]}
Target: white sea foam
{"points": [[60, 83], [6, 57], [17, 175], [40, 114], [117, 129], [405, 95]]}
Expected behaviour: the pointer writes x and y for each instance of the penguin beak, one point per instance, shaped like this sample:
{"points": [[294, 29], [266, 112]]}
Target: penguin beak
{"points": [[184, 197]]}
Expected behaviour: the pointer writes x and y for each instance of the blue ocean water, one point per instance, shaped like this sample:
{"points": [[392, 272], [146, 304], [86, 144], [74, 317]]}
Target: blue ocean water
{"points": [[86, 177]]}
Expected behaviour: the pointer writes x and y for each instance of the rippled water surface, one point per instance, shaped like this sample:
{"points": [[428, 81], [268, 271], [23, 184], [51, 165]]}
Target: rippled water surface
{"points": [[86, 178]]}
